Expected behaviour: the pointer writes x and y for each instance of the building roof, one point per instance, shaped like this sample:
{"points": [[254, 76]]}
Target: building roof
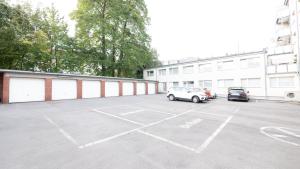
{"points": [[66, 75], [213, 58]]}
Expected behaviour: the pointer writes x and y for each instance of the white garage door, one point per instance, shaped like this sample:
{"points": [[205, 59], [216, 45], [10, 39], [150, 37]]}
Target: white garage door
{"points": [[64, 89], [127, 88], [26, 89], [91, 89], [111, 89], [140, 88], [151, 88]]}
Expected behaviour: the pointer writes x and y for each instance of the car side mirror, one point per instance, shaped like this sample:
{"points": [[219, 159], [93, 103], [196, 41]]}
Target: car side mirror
{"points": [[248, 92], [188, 91]]}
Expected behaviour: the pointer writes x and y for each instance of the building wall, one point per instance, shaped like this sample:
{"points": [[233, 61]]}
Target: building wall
{"points": [[238, 72]]}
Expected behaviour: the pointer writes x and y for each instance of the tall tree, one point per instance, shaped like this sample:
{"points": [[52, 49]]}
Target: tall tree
{"points": [[114, 34]]}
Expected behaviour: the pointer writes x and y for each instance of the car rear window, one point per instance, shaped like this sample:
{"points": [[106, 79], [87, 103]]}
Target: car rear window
{"points": [[236, 91]]}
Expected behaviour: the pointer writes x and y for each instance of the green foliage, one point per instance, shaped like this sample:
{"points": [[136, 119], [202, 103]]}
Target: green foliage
{"points": [[111, 39]]}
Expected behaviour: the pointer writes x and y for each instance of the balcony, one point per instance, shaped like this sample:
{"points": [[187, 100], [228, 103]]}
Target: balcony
{"points": [[284, 68], [283, 20], [284, 40], [281, 49]]}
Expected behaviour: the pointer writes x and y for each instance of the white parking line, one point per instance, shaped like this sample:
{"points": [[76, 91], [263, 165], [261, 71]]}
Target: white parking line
{"points": [[132, 112], [221, 115], [64, 133], [286, 133], [107, 139], [151, 109], [167, 141], [211, 138], [107, 114], [129, 131]]}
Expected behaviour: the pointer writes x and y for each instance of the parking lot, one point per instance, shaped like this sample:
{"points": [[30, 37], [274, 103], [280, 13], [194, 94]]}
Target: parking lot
{"points": [[149, 132]]}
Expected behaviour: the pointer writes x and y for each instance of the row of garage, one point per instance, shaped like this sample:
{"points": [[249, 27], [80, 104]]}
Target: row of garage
{"points": [[24, 87]]}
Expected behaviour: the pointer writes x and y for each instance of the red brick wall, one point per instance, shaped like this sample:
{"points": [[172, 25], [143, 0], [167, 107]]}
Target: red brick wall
{"points": [[146, 88], [134, 88], [48, 89], [120, 88], [5, 89], [79, 89], [1, 86], [102, 88]]}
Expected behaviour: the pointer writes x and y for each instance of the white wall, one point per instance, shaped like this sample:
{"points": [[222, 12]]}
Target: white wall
{"points": [[111, 89], [127, 88], [26, 89], [140, 88], [151, 88], [91, 89], [236, 72], [64, 89]]}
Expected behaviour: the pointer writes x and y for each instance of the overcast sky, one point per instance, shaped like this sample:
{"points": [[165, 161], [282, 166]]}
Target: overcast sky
{"points": [[198, 28]]}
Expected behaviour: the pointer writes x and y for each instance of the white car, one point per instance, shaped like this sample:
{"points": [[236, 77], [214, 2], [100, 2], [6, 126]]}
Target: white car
{"points": [[181, 93]]}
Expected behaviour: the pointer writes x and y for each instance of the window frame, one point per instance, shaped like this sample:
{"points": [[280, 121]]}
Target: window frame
{"points": [[205, 68], [171, 70], [278, 82], [160, 72], [192, 69], [149, 73], [247, 83]]}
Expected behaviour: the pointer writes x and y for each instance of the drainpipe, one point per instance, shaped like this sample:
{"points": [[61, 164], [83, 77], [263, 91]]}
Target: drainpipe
{"points": [[298, 47], [265, 67]]}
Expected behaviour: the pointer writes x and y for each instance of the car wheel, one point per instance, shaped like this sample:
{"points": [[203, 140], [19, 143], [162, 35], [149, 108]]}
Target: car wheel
{"points": [[228, 99], [171, 97], [195, 99]]}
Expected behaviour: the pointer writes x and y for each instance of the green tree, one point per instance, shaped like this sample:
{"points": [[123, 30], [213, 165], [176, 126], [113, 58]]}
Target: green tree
{"points": [[15, 38], [113, 32]]}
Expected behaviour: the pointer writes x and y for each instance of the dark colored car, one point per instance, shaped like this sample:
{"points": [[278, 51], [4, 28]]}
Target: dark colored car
{"points": [[238, 94]]}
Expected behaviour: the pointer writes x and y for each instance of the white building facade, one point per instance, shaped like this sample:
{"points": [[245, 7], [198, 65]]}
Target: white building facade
{"points": [[216, 74], [272, 72]]}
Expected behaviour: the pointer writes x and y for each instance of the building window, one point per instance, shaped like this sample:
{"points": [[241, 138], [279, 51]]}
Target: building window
{"points": [[250, 63], [188, 69], [150, 73], [225, 83], [205, 68], [173, 71], [205, 84], [162, 72], [281, 82], [175, 84], [225, 65], [250, 82], [188, 84]]}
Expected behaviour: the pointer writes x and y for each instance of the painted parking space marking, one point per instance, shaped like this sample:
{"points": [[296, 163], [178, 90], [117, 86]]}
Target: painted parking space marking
{"points": [[151, 109], [190, 124], [167, 141], [285, 134], [132, 112], [213, 136], [129, 131], [111, 115], [63, 132]]}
